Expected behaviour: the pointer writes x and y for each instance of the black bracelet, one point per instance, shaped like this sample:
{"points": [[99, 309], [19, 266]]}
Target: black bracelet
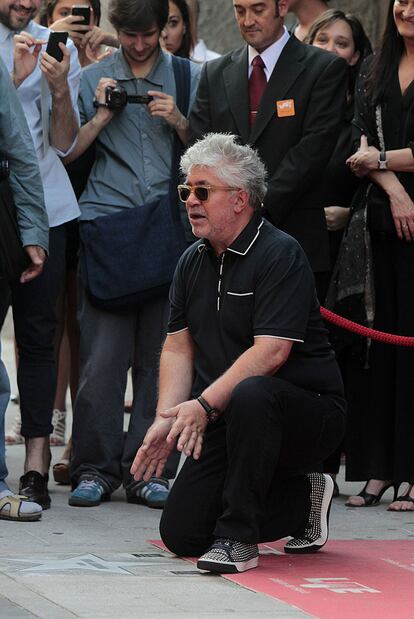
{"points": [[97, 105], [212, 413]]}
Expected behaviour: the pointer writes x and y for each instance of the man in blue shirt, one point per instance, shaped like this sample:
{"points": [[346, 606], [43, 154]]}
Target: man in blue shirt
{"points": [[133, 166], [26, 186]]}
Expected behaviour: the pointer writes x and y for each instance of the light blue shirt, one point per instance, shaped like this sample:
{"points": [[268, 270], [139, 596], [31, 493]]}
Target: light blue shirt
{"points": [[134, 150], [61, 204], [25, 182]]}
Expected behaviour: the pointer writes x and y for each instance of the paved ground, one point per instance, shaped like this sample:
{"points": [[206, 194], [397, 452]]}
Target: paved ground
{"points": [[95, 563]]}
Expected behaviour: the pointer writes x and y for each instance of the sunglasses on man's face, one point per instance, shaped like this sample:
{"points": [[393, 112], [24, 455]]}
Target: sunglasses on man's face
{"points": [[201, 192]]}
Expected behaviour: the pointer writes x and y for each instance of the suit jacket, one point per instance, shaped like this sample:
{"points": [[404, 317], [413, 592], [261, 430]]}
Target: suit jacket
{"points": [[294, 148]]}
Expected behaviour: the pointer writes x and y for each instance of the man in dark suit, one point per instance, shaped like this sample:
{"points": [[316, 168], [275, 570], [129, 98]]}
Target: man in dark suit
{"points": [[296, 125]]}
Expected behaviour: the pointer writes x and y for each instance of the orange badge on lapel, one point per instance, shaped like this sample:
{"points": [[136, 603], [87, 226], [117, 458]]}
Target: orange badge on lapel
{"points": [[285, 108]]}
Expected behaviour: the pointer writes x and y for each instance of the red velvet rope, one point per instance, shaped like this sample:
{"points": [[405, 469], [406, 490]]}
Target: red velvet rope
{"points": [[373, 334]]}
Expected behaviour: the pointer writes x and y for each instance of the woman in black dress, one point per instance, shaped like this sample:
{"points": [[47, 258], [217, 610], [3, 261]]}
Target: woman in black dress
{"points": [[342, 34], [382, 450]]}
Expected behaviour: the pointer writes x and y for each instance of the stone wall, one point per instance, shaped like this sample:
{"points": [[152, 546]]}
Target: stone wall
{"points": [[218, 28]]}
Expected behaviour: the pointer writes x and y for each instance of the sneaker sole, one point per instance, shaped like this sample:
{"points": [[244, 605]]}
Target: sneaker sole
{"points": [[138, 501], [78, 502], [228, 568], [27, 518], [326, 507]]}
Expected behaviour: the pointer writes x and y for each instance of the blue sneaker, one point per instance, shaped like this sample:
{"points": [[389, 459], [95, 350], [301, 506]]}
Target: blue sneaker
{"points": [[153, 493], [88, 493]]}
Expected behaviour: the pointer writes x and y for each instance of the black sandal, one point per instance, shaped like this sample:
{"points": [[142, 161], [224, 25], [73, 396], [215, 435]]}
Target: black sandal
{"points": [[373, 499]]}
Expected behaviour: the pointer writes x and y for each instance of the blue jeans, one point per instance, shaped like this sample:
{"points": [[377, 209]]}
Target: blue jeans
{"points": [[4, 400]]}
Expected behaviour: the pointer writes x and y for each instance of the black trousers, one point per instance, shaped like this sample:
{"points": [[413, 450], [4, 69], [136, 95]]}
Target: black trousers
{"points": [[380, 435], [34, 316], [249, 483]]}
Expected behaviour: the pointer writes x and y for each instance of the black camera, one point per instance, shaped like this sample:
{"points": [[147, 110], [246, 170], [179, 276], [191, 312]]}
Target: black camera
{"points": [[4, 167], [117, 98]]}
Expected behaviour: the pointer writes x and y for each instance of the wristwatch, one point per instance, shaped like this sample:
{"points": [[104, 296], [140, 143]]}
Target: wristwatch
{"points": [[382, 161], [212, 413]]}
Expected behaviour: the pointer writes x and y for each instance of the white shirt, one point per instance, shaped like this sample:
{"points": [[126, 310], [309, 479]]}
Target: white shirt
{"points": [[271, 54], [60, 199], [202, 54]]}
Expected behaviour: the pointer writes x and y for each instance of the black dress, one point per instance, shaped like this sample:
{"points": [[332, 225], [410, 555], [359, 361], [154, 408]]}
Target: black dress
{"points": [[381, 421], [339, 186]]}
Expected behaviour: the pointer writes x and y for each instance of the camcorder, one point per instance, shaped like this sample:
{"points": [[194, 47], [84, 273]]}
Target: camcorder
{"points": [[4, 167], [117, 98]]}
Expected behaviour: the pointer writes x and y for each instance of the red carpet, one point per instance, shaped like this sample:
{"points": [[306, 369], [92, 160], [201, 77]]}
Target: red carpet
{"points": [[346, 580]]}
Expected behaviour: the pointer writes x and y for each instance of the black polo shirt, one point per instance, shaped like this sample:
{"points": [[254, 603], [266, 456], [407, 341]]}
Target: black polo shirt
{"points": [[262, 285]]}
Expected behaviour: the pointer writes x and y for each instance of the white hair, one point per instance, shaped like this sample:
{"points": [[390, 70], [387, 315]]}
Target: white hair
{"points": [[235, 164]]}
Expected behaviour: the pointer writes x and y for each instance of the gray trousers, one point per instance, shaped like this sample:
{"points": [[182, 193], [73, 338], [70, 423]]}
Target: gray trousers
{"points": [[111, 343]]}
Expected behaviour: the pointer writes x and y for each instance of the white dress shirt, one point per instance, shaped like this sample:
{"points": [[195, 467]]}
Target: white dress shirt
{"points": [[60, 199], [271, 54]]}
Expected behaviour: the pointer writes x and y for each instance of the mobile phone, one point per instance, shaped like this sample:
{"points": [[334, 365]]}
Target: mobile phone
{"points": [[83, 10], [53, 48]]}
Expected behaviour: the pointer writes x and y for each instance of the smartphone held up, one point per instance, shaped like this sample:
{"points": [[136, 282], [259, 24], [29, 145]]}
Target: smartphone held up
{"points": [[53, 48], [82, 10]]}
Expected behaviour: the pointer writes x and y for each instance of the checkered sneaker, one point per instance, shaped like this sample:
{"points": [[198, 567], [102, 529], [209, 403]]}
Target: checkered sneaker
{"points": [[229, 557], [316, 531]]}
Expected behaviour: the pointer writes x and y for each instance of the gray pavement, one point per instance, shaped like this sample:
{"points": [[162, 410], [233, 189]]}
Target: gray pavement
{"points": [[94, 563]]}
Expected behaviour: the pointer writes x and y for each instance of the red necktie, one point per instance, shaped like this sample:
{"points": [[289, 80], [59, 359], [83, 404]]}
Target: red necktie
{"points": [[257, 86]]}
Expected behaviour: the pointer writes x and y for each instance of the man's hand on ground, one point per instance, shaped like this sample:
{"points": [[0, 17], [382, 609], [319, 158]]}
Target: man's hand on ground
{"points": [[189, 427], [37, 257], [152, 455]]}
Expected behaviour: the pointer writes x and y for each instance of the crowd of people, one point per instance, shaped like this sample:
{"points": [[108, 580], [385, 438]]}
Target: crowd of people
{"points": [[293, 158]]}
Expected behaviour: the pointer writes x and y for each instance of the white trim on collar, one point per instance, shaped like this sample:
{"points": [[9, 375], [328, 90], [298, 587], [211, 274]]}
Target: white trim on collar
{"points": [[243, 253]]}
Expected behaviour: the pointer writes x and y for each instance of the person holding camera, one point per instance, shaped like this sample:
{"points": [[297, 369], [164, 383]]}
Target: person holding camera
{"points": [[128, 108], [20, 172], [47, 89]]}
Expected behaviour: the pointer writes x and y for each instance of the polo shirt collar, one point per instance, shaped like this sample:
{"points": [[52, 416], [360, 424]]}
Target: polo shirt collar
{"points": [[246, 239], [123, 70]]}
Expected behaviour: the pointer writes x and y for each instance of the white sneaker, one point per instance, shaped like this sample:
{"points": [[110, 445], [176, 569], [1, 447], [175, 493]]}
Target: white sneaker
{"points": [[16, 507]]}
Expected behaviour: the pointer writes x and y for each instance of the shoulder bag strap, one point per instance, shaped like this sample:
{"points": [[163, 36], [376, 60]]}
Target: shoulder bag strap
{"points": [[182, 76]]}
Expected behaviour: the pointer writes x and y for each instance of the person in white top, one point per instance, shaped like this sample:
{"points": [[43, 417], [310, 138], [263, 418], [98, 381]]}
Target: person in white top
{"points": [[48, 92], [200, 52]]}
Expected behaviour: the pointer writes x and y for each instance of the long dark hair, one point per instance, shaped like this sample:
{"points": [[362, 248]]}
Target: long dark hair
{"points": [[360, 39], [186, 44], [390, 50]]}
